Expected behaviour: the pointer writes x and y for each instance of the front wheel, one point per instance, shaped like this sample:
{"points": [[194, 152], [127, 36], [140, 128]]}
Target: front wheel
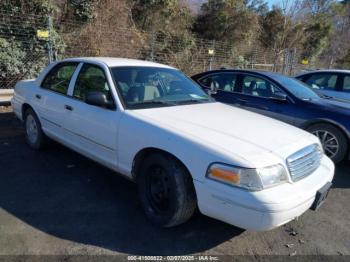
{"points": [[334, 142], [166, 190]]}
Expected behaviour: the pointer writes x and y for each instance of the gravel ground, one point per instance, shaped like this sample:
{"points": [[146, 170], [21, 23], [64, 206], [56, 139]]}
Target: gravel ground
{"points": [[58, 202]]}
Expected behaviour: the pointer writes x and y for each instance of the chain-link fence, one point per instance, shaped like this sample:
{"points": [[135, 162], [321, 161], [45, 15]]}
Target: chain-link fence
{"points": [[27, 44]]}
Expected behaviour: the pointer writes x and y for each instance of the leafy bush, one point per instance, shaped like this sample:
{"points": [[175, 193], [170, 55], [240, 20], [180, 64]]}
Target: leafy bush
{"points": [[11, 58], [84, 10]]}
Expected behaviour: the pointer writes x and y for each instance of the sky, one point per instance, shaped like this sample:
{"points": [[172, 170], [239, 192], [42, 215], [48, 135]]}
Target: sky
{"points": [[272, 2]]}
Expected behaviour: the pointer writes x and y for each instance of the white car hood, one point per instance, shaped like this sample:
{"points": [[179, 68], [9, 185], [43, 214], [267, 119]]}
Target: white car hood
{"points": [[231, 130]]}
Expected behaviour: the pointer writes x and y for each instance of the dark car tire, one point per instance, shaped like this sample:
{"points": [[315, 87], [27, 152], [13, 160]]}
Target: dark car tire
{"points": [[341, 140], [166, 190], [35, 139]]}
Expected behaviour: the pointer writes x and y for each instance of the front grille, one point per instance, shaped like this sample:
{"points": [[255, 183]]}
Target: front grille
{"points": [[304, 162]]}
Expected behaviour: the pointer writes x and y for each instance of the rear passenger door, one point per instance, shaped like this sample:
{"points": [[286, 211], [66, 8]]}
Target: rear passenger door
{"points": [[224, 86], [91, 129], [52, 96]]}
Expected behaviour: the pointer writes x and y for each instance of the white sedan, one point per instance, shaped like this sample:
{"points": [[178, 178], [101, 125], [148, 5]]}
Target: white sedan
{"points": [[152, 124]]}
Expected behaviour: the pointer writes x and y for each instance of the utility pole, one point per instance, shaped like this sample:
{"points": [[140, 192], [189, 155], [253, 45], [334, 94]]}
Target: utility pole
{"points": [[49, 43], [153, 39], [211, 53]]}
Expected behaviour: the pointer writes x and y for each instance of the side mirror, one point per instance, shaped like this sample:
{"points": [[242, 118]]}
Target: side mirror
{"points": [[98, 98], [209, 91], [212, 89], [280, 96]]}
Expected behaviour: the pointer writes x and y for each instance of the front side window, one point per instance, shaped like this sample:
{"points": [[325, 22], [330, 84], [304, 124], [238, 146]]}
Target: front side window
{"points": [[59, 77], [323, 81], [346, 85], [296, 87], [142, 87], [91, 78], [225, 82], [256, 86]]}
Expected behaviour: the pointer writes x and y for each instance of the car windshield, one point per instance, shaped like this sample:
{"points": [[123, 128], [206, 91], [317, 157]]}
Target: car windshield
{"points": [[296, 87], [143, 87]]}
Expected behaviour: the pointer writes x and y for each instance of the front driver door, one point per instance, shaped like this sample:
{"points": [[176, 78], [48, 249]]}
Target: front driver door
{"points": [[92, 129], [260, 95]]}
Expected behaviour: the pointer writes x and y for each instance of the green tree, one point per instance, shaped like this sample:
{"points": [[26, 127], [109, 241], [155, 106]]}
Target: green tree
{"points": [[258, 6], [226, 20], [279, 32], [317, 34], [23, 54], [168, 23], [338, 51], [168, 16]]}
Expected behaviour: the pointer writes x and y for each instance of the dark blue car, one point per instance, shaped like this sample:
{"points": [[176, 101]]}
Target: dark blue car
{"points": [[286, 99]]}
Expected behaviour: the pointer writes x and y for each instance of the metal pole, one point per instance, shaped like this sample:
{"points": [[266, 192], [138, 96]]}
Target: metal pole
{"points": [[49, 43], [292, 64], [211, 59], [152, 45]]}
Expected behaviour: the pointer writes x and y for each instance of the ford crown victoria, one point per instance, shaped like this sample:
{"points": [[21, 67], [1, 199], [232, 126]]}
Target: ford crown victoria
{"points": [[155, 126]]}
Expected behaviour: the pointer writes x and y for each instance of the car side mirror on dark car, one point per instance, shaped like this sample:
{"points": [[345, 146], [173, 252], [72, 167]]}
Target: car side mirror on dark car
{"points": [[98, 98], [280, 96], [212, 89]]}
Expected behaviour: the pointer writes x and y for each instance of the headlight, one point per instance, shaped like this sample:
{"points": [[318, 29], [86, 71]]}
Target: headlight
{"points": [[272, 175], [248, 178]]}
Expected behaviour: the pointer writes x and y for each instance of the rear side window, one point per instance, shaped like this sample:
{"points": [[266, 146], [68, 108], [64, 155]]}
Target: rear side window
{"points": [[346, 85], [59, 77], [225, 82], [323, 81]]}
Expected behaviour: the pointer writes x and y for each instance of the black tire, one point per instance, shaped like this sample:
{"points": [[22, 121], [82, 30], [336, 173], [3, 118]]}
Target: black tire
{"points": [[340, 140], [39, 141], [166, 190]]}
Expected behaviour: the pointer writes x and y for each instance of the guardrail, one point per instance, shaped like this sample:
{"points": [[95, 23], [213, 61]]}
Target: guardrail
{"points": [[5, 97]]}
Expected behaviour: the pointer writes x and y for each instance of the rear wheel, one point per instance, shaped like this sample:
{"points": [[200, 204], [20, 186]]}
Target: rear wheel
{"points": [[166, 190], [334, 142], [34, 135]]}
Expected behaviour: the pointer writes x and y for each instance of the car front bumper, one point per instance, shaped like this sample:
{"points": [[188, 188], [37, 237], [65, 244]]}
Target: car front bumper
{"points": [[265, 209]]}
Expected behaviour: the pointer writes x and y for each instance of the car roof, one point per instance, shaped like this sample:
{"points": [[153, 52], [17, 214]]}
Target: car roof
{"points": [[258, 72], [116, 62], [324, 71]]}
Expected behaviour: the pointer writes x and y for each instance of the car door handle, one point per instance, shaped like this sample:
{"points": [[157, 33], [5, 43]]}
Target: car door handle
{"points": [[68, 107], [38, 96], [262, 107], [242, 101]]}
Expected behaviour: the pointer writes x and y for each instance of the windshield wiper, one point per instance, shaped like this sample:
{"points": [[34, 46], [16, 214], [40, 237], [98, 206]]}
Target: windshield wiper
{"points": [[189, 101], [327, 96], [152, 102]]}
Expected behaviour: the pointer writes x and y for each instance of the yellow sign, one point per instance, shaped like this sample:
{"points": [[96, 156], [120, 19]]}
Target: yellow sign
{"points": [[211, 52], [42, 34], [305, 62]]}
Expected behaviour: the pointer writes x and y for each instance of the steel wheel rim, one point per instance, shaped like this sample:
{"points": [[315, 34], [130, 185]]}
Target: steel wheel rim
{"points": [[31, 129], [158, 189], [329, 142]]}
